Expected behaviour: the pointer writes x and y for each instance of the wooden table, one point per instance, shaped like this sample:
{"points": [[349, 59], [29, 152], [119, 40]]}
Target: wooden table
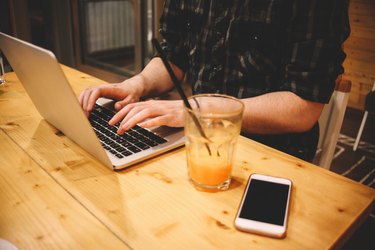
{"points": [[54, 195]]}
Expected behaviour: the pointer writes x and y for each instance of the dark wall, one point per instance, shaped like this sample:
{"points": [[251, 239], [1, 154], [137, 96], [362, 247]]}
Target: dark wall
{"points": [[5, 19], [46, 23]]}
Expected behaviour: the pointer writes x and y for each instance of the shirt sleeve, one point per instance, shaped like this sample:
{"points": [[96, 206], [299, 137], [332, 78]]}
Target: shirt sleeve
{"points": [[173, 26], [314, 53]]}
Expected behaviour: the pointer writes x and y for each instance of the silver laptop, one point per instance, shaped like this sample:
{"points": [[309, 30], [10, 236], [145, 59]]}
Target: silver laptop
{"points": [[51, 93]]}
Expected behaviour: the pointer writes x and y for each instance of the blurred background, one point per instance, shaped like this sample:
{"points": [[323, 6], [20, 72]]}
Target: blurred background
{"points": [[107, 39]]}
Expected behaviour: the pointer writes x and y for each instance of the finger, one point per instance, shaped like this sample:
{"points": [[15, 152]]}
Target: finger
{"points": [[84, 97], [120, 115], [170, 120], [153, 122], [80, 98], [135, 116], [124, 115], [91, 99], [121, 104], [91, 95]]}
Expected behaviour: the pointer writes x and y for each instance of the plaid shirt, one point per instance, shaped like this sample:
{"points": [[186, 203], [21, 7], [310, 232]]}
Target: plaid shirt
{"points": [[246, 48]]}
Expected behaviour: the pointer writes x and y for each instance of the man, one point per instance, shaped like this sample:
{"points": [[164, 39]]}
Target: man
{"points": [[281, 57]]}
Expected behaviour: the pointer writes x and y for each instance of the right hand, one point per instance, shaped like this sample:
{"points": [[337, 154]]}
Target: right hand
{"points": [[123, 93]]}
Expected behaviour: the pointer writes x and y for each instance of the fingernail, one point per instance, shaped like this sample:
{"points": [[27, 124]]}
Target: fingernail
{"points": [[120, 131]]}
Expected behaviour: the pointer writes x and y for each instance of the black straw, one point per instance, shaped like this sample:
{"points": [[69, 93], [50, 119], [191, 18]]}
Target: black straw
{"points": [[175, 81], [170, 72]]}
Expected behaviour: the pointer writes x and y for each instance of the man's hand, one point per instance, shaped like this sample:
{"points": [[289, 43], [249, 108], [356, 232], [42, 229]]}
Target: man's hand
{"points": [[124, 93], [149, 114]]}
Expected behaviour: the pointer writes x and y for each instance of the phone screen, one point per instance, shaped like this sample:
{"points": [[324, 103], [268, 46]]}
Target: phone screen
{"points": [[265, 202]]}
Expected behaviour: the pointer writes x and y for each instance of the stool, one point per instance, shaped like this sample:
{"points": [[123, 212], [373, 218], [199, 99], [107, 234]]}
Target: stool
{"points": [[369, 108]]}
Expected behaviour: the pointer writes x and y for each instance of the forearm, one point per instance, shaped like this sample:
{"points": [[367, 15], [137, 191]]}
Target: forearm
{"points": [[154, 79], [279, 112]]}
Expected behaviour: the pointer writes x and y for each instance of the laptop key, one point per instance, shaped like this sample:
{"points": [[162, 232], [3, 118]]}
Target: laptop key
{"points": [[134, 149], [133, 141], [141, 145]]}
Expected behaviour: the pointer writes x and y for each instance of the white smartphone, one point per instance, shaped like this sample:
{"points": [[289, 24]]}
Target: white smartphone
{"points": [[264, 206]]}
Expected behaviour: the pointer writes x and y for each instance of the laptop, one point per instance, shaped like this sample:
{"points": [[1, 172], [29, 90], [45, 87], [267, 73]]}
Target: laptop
{"points": [[45, 83]]}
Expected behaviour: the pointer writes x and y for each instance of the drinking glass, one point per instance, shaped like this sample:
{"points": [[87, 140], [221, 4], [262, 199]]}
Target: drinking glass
{"points": [[210, 143]]}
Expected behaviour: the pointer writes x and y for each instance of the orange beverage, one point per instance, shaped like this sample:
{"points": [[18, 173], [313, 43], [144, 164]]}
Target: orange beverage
{"points": [[210, 145], [209, 173]]}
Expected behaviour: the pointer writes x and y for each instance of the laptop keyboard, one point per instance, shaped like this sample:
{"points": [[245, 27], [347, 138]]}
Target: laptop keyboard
{"points": [[133, 141]]}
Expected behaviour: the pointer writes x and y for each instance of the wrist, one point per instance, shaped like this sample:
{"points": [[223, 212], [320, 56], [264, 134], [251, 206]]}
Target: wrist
{"points": [[138, 85]]}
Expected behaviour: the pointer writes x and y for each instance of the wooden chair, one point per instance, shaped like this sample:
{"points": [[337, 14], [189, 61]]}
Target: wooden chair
{"points": [[330, 123], [369, 108]]}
